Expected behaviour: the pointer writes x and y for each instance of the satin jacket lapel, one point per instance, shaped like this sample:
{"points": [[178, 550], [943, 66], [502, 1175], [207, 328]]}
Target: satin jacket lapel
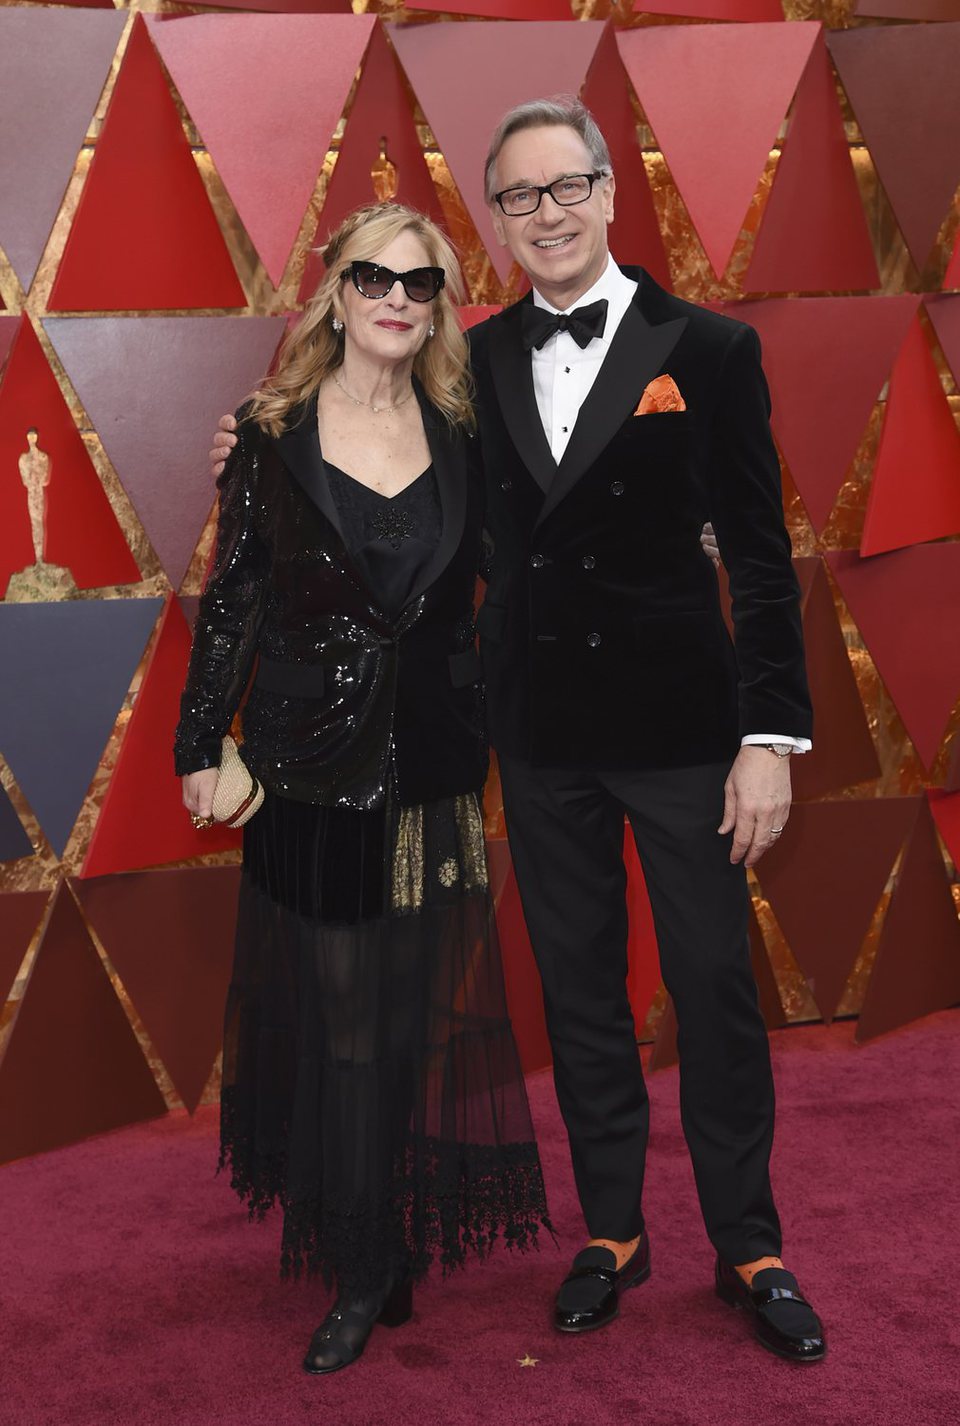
{"points": [[512, 372], [637, 353], [300, 448], [448, 452]]}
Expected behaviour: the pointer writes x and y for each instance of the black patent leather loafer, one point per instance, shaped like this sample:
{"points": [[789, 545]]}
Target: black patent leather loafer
{"points": [[342, 1335], [590, 1295], [783, 1320]]}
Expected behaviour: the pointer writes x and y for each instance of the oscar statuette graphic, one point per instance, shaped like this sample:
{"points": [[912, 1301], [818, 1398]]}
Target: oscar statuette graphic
{"points": [[40, 580], [383, 174]]}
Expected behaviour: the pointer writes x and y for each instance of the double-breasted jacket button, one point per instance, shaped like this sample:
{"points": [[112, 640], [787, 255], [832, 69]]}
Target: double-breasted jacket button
{"points": [[617, 487], [593, 640], [506, 485], [589, 562], [536, 561]]}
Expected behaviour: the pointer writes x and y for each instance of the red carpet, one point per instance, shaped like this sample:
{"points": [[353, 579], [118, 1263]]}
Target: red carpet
{"points": [[134, 1292]]}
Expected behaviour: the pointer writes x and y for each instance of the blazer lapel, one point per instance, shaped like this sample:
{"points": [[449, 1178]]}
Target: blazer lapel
{"points": [[448, 452], [638, 351], [512, 372], [300, 448]]}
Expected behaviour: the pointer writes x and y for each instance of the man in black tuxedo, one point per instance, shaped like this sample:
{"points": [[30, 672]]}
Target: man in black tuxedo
{"points": [[615, 420]]}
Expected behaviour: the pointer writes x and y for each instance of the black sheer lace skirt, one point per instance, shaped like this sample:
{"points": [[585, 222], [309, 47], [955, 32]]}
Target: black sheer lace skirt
{"points": [[371, 1084]]}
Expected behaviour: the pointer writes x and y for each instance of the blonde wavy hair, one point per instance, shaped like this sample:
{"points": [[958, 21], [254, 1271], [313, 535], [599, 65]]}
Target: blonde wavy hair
{"points": [[312, 350]]}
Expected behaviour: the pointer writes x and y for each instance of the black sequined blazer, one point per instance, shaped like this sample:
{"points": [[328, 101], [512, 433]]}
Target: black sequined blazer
{"points": [[343, 698]]}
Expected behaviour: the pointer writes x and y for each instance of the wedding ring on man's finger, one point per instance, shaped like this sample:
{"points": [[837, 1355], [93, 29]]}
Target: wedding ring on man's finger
{"points": [[201, 822]]}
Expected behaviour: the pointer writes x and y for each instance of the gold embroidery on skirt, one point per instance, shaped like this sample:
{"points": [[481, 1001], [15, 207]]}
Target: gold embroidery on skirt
{"points": [[472, 848], [407, 876]]}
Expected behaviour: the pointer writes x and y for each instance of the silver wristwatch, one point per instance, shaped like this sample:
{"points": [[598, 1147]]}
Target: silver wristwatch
{"points": [[781, 750]]}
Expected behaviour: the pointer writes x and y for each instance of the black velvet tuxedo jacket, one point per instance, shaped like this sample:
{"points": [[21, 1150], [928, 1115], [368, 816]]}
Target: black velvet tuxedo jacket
{"points": [[345, 697], [602, 637]]}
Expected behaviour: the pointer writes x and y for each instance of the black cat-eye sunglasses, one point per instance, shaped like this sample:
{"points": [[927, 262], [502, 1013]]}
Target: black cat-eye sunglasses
{"points": [[421, 284]]}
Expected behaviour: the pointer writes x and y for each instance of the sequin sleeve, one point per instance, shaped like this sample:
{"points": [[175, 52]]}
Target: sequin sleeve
{"points": [[229, 617]]}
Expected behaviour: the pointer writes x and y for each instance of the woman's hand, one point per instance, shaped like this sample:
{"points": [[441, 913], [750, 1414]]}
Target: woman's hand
{"points": [[223, 443], [198, 790]]}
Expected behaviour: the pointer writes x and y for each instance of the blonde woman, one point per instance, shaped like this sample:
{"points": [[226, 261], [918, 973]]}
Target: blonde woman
{"points": [[371, 1084]]}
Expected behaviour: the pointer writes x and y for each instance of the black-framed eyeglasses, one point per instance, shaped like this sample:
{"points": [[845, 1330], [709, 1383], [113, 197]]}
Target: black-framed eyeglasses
{"points": [[371, 279], [526, 198]]}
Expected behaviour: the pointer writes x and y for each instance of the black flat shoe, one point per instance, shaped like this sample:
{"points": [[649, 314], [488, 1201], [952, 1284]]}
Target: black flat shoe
{"points": [[784, 1321], [590, 1294], [344, 1332]]}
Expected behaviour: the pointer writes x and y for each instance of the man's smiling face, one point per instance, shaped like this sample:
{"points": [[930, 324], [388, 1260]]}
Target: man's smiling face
{"points": [[563, 250]]}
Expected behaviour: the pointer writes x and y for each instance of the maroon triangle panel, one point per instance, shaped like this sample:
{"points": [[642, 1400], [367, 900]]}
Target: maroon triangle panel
{"points": [[907, 607], [917, 968], [73, 1066], [826, 359], [466, 77], [902, 83], [664, 1052], [634, 234], [944, 313], [170, 937], [8, 330], [20, 913], [717, 127], [266, 92], [824, 879], [843, 752], [910, 9], [381, 110], [951, 280], [813, 236], [915, 491], [144, 236]]}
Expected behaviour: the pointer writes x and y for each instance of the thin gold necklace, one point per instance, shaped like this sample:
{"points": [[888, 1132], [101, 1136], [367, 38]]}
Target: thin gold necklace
{"points": [[377, 410]]}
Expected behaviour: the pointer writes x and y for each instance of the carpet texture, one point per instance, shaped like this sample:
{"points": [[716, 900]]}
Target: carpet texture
{"points": [[134, 1292]]}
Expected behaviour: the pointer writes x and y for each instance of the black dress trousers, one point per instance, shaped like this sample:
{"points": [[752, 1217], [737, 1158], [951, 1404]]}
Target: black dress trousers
{"points": [[565, 829]]}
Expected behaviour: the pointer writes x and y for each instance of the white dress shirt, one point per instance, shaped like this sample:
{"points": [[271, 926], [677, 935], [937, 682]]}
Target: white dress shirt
{"points": [[563, 375]]}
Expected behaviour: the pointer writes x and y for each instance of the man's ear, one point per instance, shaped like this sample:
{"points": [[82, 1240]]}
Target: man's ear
{"points": [[499, 226], [609, 189]]}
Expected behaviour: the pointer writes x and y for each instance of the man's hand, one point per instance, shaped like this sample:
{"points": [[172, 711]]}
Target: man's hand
{"points": [[223, 443], [756, 803], [198, 790], [708, 543]]}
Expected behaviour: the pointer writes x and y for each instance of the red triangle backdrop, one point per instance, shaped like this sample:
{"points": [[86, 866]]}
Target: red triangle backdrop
{"points": [[73, 1066], [826, 359], [945, 807], [142, 821], [813, 236], [917, 968], [843, 753], [170, 937], [499, 9], [742, 10], [634, 235], [824, 879], [915, 492], [902, 83], [716, 128], [266, 93], [944, 313], [467, 76], [144, 235], [82, 532], [907, 607], [381, 109]]}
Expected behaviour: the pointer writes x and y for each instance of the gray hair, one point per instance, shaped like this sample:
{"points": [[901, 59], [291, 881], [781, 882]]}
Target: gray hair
{"points": [[562, 109]]}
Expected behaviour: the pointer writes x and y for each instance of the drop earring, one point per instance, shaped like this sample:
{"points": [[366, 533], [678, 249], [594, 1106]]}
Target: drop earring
{"points": [[433, 331], [337, 325]]}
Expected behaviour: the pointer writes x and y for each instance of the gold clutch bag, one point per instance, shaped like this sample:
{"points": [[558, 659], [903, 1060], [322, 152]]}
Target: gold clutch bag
{"points": [[238, 794]]}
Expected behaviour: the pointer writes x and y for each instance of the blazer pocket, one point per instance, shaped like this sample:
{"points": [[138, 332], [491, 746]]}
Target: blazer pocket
{"points": [[491, 622], [291, 680], [465, 668]]}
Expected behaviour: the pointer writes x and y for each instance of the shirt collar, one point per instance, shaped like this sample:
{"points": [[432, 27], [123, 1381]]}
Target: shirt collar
{"points": [[611, 284]]}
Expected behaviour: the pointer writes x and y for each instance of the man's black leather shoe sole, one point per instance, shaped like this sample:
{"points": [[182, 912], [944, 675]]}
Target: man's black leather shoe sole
{"points": [[590, 1294], [795, 1343]]}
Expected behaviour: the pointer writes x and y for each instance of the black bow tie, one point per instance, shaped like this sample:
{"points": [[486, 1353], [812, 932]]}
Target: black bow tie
{"points": [[538, 325]]}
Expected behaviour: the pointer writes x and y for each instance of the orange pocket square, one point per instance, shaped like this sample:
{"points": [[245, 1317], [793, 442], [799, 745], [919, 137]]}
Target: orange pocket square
{"points": [[661, 394]]}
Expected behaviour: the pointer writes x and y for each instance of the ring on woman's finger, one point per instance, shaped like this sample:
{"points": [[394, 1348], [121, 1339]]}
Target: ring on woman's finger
{"points": [[201, 822]]}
